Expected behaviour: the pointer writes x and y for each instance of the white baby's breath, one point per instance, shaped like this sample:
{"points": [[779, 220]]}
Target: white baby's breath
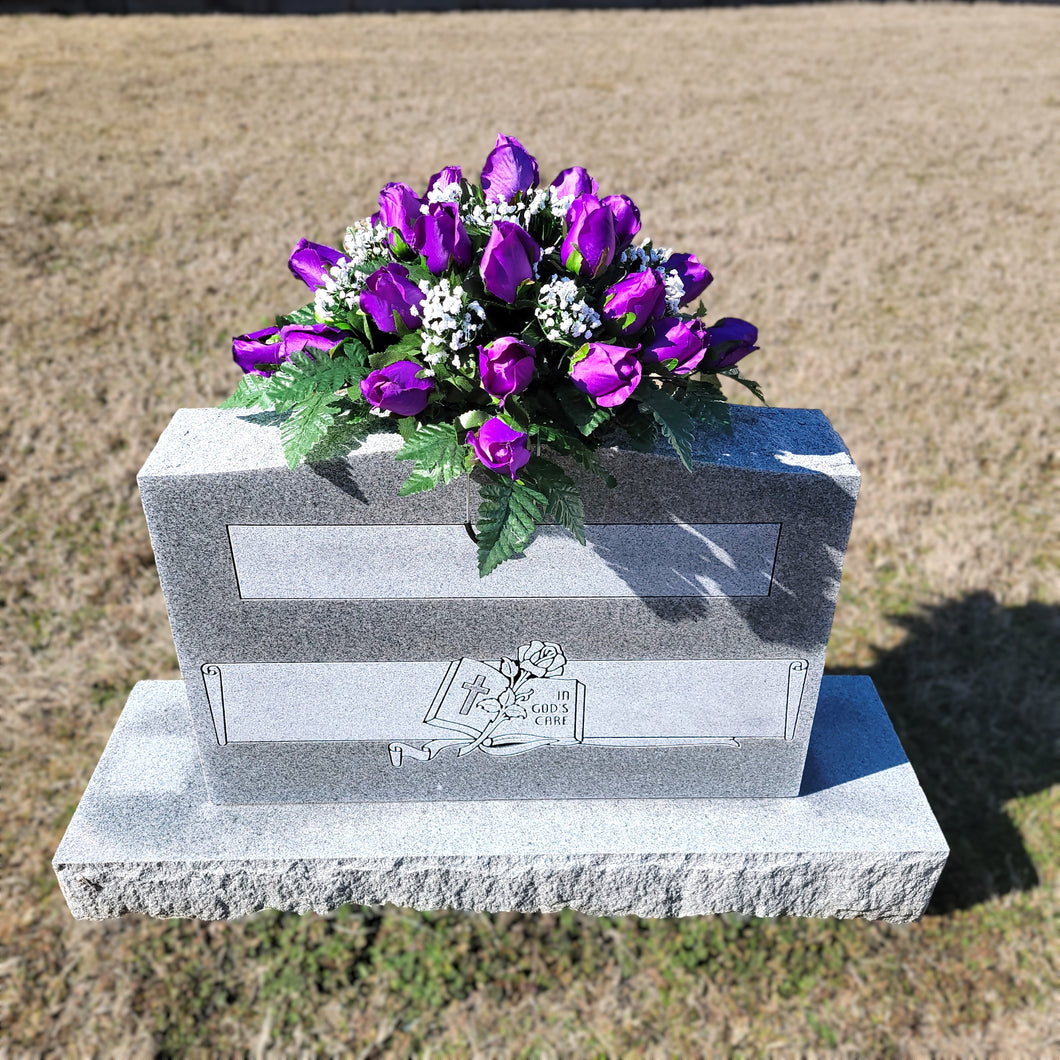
{"points": [[559, 204], [442, 193], [362, 243], [675, 292], [563, 311], [644, 257], [483, 215], [450, 320]]}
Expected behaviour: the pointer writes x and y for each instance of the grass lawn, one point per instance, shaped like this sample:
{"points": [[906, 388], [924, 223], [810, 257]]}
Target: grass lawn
{"points": [[874, 186]]}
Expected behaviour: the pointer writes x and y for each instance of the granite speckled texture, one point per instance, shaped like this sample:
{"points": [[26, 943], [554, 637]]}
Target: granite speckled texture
{"points": [[860, 840], [213, 471]]}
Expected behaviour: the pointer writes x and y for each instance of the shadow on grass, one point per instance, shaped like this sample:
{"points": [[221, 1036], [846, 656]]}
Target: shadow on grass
{"points": [[972, 692]]}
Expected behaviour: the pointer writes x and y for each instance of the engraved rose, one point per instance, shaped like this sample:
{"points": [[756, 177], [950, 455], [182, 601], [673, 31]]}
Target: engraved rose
{"points": [[541, 660]]}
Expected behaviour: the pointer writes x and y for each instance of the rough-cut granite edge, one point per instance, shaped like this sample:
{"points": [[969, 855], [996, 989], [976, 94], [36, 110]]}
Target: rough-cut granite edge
{"points": [[668, 885], [839, 885]]}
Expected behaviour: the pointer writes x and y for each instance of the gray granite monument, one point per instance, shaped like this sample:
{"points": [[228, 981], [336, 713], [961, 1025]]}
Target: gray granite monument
{"points": [[337, 643], [621, 728]]}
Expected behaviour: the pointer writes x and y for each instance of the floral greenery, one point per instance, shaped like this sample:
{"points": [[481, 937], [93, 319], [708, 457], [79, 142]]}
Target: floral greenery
{"points": [[502, 327]]}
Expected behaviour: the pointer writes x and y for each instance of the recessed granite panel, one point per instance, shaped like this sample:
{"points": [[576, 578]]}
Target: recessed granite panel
{"points": [[784, 474], [614, 702], [330, 562]]}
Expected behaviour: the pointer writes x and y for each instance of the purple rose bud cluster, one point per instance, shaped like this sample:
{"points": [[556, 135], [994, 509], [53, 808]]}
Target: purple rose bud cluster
{"points": [[484, 303]]}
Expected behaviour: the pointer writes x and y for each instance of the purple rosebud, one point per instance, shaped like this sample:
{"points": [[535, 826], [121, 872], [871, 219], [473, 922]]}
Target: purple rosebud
{"points": [[695, 277], [683, 341], [641, 293], [589, 245], [399, 207], [441, 235], [508, 260], [302, 338], [574, 182], [310, 262], [389, 296], [444, 177], [250, 350], [728, 341], [396, 389], [499, 447], [608, 373], [509, 170], [627, 219], [505, 366]]}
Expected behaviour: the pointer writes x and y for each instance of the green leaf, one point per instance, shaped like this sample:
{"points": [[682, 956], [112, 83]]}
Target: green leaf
{"points": [[437, 454], [580, 409], [507, 517], [302, 378], [708, 406], [406, 348], [515, 414], [461, 382], [639, 424], [563, 501], [579, 354], [562, 441], [356, 350], [418, 481], [674, 421], [435, 444], [341, 438], [250, 394], [397, 241], [307, 425], [305, 315], [474, 418], [734, 373]]}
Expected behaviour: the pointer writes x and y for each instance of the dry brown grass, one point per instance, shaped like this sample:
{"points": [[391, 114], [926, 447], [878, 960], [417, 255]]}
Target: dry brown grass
{"points": [[875, 186]]}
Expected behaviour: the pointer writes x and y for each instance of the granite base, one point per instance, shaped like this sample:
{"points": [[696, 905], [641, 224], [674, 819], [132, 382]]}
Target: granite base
{"points": [[859, 841]]}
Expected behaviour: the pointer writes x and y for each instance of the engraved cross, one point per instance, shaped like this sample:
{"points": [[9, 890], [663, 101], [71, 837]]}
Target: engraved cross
{"points": [[474, 691]]}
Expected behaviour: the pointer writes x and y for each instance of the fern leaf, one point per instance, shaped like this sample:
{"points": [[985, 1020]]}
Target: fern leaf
{"points": [[250, 394], [303, 378], [563, 501], [674, 421], [734, 373], [343, 436], [507, 517], [435, 449], [581, 411], [356, 350], [304, 315], [708, 406], [306, 426]]}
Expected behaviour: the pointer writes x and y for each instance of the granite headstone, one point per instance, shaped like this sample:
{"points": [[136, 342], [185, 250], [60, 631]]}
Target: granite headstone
{"points": [[337, 644]]}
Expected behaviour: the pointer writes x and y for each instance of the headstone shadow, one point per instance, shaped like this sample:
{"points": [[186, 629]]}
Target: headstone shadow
{"points": [[972, 693]]}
